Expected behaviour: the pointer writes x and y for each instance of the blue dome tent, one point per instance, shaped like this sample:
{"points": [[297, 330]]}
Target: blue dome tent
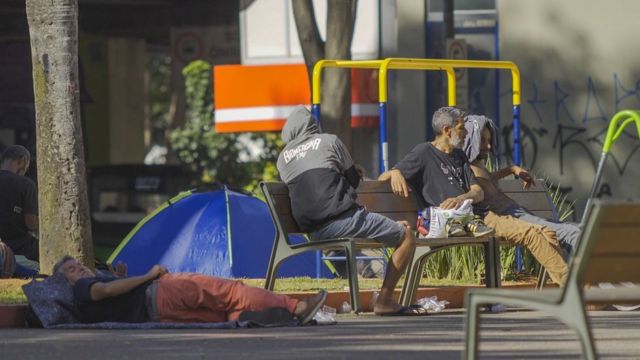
{"points": [[221, 233]]}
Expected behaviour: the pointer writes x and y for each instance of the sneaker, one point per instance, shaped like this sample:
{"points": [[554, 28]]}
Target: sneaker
{"points": [[478, 228], [454, 228]]}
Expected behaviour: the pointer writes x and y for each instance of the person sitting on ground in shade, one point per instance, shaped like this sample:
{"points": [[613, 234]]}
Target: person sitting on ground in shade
{"points": [[18, 203], [321, 178], [481, 142], [182, 297], [440, 173]]}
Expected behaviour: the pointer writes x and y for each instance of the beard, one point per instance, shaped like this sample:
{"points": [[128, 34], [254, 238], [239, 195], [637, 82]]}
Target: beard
{"points": [[455, 141]]}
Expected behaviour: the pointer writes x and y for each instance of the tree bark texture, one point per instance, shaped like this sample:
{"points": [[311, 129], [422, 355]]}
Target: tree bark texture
{"points": [[336, 83], [65, 226]]}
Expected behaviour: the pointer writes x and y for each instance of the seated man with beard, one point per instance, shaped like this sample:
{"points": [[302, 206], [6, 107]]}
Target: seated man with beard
{"points": [[440, 173]]}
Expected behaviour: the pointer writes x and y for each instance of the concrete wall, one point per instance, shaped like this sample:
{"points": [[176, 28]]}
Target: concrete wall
{"points": [[403, 35], [579, 63], [94, 98], [127, 100]]}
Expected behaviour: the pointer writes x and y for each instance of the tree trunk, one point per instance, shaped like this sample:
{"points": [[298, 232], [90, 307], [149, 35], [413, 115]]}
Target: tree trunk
{"points": [[65, 227], [336, 84], [336, 89], [308, 33]]}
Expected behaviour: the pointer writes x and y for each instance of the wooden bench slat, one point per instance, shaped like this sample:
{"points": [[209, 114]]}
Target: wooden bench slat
{"points": [[623, 213], [617, 239], [614, 268], [370, 186], [388, 202], [283, 204], [290, 225], [531, 201], [515, 185]]}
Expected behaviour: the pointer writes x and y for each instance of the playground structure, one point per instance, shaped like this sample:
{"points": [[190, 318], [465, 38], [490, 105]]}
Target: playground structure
{"points": [[447, 65]]}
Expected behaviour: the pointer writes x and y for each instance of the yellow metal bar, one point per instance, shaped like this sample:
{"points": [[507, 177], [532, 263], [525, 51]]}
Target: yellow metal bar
{"points": [[382, 81], [451, 86], [457, 64], [448, 65], [395, 64], [315, 80]]}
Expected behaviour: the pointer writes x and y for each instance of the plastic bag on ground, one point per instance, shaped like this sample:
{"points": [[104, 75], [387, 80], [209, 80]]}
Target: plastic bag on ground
{"points": [[432, 304], [325, 316]]}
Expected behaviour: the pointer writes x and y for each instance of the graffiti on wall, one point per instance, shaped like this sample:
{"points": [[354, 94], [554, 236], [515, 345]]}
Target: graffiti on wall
{"points": [[555, 125]]}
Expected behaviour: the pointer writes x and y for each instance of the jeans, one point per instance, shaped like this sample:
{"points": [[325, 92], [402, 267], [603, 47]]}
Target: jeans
{"points": [[566, 232]]}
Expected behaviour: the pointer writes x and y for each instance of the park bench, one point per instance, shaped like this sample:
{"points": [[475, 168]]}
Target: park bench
{"points": [[608, 251], [535, 199], [378, 197]]}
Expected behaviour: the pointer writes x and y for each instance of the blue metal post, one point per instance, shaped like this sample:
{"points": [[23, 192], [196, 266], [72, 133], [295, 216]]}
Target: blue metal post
{"points": [[315, 111], [384, 161], [517, 161], [496, 49], [516, 135]]}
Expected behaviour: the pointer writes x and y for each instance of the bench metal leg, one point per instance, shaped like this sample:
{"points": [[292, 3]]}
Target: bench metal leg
{"points": [[586, 339], [471, 327], [542, 278], [414, 273], [272, 269], [492, 263], [352, 272], [573, 314]]}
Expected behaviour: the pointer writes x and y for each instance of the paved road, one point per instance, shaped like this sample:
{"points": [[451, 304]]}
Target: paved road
{"points": [[510, 335]]}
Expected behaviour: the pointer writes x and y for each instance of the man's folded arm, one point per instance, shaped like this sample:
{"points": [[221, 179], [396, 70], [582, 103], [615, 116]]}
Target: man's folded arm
{"points": [[103, 290]]}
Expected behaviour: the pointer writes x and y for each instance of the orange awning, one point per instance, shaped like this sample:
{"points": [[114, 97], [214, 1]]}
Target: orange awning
{"points": [[259, 98]]}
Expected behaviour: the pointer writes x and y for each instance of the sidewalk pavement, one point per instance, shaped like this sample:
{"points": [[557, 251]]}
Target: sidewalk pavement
{"points": [[509, 335]]}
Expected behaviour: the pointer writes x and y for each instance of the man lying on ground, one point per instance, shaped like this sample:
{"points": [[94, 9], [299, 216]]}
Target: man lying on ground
{"points": [[322, 179], [440, 173], [480, 142], [181, 297]]}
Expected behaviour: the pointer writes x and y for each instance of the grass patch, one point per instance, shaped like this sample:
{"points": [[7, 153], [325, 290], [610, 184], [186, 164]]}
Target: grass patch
{"points": [[311, 284], [11, 291]]}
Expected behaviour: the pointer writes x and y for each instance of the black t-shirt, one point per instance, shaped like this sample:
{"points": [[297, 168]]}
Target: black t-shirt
{"points": [[18, 197], [436, 175], [130, 307]]}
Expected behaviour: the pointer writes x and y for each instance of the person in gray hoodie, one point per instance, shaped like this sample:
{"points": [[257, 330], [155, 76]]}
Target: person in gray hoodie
{"points": [[322, 179]]}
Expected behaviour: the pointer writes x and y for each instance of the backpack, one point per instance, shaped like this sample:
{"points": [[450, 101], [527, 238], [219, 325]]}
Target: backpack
{"points": [[7, 261]]}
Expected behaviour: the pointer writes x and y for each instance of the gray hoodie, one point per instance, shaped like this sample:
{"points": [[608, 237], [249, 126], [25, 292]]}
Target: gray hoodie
{"points": [[474, 125], [318, 171]]}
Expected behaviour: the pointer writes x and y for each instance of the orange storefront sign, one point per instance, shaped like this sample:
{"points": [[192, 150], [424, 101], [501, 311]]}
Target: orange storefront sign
{"points": [[259, 98]]}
